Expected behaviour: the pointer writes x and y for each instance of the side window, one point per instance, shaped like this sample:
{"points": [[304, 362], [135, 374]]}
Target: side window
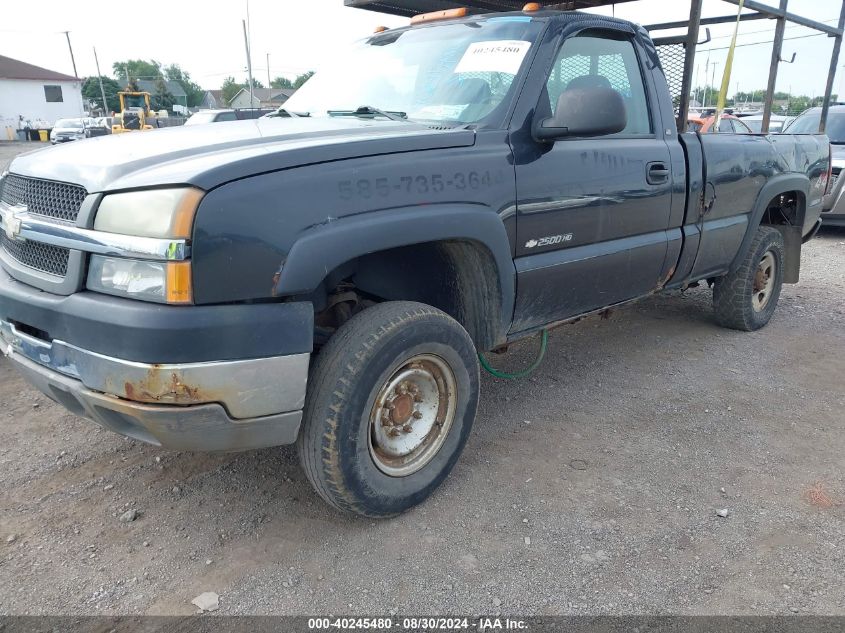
{"points": [[601, 61], [53, 94], [726, 126], [226, 116]]}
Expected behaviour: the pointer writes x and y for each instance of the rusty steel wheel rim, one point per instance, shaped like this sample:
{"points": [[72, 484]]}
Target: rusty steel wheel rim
{"points": [[764, 282], [412, 415]]}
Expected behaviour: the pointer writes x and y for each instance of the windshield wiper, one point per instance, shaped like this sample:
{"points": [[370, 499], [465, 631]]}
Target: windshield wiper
{"points": [[370, 111]]}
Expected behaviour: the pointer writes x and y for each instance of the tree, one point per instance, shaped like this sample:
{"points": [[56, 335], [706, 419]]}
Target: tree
{"points": [[281, 82], [193, 90], [137, 69], [162, 98], [91, 91], [301, 79], [230, 88]]}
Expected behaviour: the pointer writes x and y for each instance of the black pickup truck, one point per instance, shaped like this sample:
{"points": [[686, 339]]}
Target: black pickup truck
{"points": [[327, 278]]}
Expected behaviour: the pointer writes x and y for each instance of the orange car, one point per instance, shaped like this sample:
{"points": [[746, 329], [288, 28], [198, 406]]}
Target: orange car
{"points": [[729, 125]]}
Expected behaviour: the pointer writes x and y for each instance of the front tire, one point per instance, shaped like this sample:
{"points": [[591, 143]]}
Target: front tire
{"points": [[746, 298], [391, 403]]}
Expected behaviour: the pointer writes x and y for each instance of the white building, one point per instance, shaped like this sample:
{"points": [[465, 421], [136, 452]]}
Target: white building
{"points": [[37, 95]]}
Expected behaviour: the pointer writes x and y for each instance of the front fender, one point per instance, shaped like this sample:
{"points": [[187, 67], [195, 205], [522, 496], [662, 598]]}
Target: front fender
{"points": [[324, 247]]}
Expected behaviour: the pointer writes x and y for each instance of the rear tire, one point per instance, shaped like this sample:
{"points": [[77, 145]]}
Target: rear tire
{"points": [[391, 402], [747, 298]]}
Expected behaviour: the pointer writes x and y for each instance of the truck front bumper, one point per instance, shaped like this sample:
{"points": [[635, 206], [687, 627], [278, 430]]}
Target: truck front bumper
{"points": [[205, 427], [226, 399]]}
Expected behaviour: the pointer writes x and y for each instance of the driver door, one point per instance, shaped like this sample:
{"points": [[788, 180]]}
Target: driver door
{"points": [[592, 213]]}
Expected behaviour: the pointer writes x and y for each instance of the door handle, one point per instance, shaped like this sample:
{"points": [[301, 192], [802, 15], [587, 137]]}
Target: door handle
{"points": [[657, 173]]}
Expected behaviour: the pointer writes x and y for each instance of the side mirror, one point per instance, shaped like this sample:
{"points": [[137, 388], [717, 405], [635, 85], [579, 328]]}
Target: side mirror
{"points": [[584, 112]]}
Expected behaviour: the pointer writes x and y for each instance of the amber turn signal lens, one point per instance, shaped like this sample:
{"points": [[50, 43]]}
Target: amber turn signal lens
{"points": [[380, 29], [183, 218], [179, 288], [532, 6], [448, 14]]}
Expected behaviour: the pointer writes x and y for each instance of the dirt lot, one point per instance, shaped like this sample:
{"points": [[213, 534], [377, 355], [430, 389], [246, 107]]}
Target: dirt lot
{"points": [[590, 488]]}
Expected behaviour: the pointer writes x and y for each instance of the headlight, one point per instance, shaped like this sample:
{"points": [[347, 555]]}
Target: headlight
{"points": [[152, 213], [162, 282], [160, 214]]}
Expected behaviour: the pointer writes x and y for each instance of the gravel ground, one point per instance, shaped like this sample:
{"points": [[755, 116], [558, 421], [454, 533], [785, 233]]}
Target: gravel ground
{"points": [[591, 488]]}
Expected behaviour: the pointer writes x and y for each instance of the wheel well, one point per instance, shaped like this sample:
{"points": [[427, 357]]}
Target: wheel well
{"points": [[786, 209], [459, 277], [786, 213]]}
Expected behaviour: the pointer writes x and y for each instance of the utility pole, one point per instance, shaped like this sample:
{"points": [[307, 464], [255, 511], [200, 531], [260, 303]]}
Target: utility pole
{"points": [[70, 48], [249, 67], [268, 70], [713, 76], [697, 84], [100, 79]]}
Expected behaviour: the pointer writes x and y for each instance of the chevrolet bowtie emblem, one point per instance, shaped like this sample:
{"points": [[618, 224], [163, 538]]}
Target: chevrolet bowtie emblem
{"points": [[11, 220]]}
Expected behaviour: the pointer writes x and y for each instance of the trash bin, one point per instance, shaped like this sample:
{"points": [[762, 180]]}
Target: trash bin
{"points": [[21, 135], [33, 134], [43, 136]]}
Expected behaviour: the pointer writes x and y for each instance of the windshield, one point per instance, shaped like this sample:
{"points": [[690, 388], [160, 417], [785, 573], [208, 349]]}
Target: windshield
{"points": [[69, 123], [455, 73], [201, 117], [135, 101], [808, 123]]}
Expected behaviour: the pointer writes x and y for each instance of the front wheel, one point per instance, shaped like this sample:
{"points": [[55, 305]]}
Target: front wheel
{"points": [[746, 298], [390, 406]]}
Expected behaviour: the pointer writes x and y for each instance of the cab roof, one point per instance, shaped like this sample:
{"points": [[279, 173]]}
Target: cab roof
{"points": [[409, 8], [542, 14]]}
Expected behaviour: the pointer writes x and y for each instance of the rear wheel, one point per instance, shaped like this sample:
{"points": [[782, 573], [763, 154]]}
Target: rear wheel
{"points": [[746, 298], [391, 402]]}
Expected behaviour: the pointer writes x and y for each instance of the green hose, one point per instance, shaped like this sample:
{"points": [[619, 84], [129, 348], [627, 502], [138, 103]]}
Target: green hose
{"points": [[521, 374]]}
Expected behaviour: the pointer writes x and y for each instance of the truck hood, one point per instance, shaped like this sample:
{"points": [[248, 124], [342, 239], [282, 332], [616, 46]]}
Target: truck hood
{"points": [[209, 155]]}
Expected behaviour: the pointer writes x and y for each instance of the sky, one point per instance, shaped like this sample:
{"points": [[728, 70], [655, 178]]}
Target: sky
{"points": [[206, 38]]}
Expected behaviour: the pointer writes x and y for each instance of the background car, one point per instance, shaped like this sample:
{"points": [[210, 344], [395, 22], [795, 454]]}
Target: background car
{"points": [[833, 211], [98, 127], [66, 130], [105, 122], [776, 124], [218, 116], [211, 116], [729, 124]]}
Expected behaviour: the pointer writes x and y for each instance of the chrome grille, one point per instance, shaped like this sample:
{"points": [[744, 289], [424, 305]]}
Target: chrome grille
{"points": [[42, 257], [57, 200]]}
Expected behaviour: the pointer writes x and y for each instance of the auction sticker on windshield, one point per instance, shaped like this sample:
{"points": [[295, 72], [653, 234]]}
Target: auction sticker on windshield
{"points": [[500, 56]]}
